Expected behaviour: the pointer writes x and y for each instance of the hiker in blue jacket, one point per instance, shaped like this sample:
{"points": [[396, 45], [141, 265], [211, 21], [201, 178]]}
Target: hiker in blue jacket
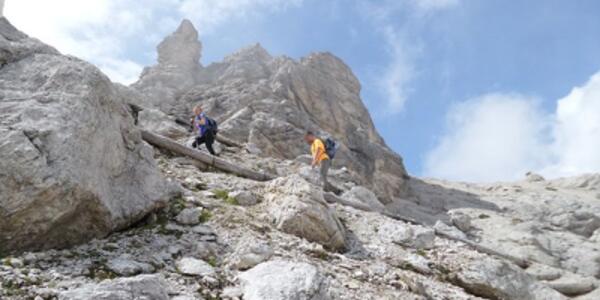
{"points": [[207, 129]]}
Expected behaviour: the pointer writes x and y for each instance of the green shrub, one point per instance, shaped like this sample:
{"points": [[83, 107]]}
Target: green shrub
{"points": [[221, 194], [231, 201], [212, 261], [224, 195], [205, 216]]}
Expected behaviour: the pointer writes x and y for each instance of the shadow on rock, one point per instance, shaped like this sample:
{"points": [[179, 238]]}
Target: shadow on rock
{"points": [[431, 202]]}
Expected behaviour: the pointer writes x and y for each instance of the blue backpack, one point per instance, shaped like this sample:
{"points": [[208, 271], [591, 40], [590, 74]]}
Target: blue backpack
{"points": [[331, 147], [211, 124]]}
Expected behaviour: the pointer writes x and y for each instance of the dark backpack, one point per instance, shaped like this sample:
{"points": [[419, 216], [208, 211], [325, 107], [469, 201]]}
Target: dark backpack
{"points": [[331, 147], [211, 124]]}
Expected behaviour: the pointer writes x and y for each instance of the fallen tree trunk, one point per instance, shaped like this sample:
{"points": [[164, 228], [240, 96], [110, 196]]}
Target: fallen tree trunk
{"points": [[219, 137], [218, 163], [523, 263]]}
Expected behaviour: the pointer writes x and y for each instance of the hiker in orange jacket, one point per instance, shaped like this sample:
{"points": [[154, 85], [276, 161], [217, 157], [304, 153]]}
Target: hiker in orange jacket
{"points": [[319, 157]]}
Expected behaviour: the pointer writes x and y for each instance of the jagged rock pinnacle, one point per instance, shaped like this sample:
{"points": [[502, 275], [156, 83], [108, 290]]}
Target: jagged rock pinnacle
{"points": [[182, 48], [177, 69]]}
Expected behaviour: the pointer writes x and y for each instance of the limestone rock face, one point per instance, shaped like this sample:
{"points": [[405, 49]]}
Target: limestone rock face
{"points": [[177, 69], [279, 280], [362, 195], [551, 222], [299, 208], [495, 279], [269, 102], [171, 52], [153, 119], [72, 164]]}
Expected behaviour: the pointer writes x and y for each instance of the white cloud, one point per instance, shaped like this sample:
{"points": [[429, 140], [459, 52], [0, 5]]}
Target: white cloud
{"points": [[576, 135], [98, 31], [502, 136], [491, 137], [396, 78], [120, 70], [105, 32], [398, 22]]}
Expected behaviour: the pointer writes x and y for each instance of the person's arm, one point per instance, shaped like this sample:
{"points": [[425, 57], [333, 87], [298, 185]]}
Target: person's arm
{"points": [[318, 154], [202, 121], [192, 124]]}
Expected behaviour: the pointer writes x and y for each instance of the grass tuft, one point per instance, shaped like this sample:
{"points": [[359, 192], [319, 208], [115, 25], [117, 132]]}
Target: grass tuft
{"points": [[205, 216], [224, 195], [221, 194]]}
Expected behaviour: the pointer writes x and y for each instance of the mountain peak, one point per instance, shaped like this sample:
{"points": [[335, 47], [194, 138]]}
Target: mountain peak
{"points": [[254, 52], [182, 47]]}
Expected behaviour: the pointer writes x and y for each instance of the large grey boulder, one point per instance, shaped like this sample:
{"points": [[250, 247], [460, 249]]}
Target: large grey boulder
{"points": [[573, 285], [496, 279], [297, 207], [364, 196], [269, 102], [72, 164], [283, 280], [140, 287]]}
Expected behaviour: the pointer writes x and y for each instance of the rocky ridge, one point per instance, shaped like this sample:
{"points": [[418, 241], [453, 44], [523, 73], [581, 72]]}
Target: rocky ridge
{"points": [[269, 102]]}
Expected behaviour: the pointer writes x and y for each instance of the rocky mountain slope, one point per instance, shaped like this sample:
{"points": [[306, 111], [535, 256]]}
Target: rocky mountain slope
{"points": [[124, 222], [269, 102]]}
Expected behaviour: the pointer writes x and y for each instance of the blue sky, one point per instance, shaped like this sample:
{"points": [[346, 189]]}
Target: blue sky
{"points": [[462, 89]]}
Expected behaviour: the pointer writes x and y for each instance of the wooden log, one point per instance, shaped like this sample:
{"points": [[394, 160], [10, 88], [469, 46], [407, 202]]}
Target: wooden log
{"points": [[523, 263], [218, 163], [219, 137]]}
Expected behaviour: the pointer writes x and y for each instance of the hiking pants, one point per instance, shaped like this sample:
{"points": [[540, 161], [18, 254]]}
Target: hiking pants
{"points": [[325, 165], [207, 138]]}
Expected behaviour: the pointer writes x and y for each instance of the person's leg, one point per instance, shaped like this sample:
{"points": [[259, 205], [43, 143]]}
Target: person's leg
{"points": [[210, 139], [199, 141], [325, 165]]}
